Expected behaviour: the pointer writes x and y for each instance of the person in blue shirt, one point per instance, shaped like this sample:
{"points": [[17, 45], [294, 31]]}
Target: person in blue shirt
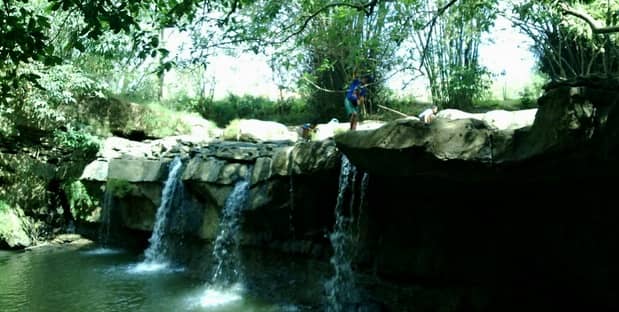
{"points": [[355, 97]]}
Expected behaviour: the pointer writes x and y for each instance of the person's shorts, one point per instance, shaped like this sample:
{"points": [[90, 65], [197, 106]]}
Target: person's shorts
{"points": [[350, 109]]}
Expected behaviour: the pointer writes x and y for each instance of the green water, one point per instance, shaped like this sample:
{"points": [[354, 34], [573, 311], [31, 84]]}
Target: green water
{"points": [[94, 279]]}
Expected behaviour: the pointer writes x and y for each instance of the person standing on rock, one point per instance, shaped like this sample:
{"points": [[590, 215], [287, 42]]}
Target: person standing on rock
{"points": [[355, 97], [429, 114]]}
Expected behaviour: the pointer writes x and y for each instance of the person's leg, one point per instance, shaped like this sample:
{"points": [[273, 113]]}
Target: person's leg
{"points": [[353, 121], [350, 110], [362, 107]]}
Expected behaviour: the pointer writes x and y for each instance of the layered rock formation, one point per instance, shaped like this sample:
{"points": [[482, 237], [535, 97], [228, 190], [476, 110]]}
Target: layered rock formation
{"points": [[135, 172], [500, 211], [505, 218]]}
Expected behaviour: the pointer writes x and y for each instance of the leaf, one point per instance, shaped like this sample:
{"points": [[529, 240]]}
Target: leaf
{"points": [[79, 46], [154, 41], [164, 52], [55, 6], [51, 60]]}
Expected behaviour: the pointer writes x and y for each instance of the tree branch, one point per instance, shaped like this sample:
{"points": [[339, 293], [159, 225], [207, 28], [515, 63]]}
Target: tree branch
{"points": [[309, 18], [593, 24], [232, 10], [431, 23]]}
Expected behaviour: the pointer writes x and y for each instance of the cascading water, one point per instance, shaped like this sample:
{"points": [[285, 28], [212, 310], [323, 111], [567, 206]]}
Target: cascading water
{"points": [[156, 253], [106, 217], [340, 289], [291, 212], [364, 186], [291, 191], [225, 251]]}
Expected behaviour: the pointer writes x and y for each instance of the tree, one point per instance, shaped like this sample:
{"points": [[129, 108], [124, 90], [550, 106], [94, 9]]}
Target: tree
{"points": [[23, 39], [449, 50], [569, 47]]}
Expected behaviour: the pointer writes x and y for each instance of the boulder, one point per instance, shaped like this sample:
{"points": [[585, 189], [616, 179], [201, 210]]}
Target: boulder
{"points": [[252, 130], [454, 114], [116, 147], [499, 119], [574, 124], [408, 146], [329, 130], [12, 233], [137, 170], [510, 120], [305, 158], [95, 171]]}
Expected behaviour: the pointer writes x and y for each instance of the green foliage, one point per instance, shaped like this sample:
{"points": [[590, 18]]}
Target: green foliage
{"points": [[528, 97], [4, 206], [24, 39], [81, 203], [565, 45], [66, 85], [120, 188], [450, 51], [39, 105], [467, 85], [232, 129], [24, 183], [79, 141], [289, 111], [9, 222]]}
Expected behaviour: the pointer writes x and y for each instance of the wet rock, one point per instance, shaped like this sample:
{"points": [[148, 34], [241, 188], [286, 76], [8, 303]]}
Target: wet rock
{"points": [[12, 231]]}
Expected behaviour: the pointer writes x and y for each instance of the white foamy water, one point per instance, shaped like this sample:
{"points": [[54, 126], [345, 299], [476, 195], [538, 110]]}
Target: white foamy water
{"points": [[218, 297], [103, 251], [152, 267], [156, 251], [215, 298]]}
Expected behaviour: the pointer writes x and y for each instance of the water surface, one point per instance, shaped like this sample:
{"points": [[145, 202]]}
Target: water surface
{"points": [[107, 279]]}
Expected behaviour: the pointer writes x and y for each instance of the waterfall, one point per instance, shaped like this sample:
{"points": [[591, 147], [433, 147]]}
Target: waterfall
{"points": [[225, 251], [291, 212], [157, 250], [364, 186], [340, 289], [291, 191], [106, 217]]}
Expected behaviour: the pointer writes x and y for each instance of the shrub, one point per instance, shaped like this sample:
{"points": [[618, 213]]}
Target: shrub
{"points": [[120, 188], [79, 141], [81, 203], [222, 112], [4, 206]]}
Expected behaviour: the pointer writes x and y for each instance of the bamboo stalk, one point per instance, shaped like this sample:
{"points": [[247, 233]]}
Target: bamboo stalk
{"points": [[392, 110]]}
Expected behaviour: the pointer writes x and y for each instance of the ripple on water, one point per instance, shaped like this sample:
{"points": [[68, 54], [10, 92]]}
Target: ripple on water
{"points": [[152, 267], [213, 297], [216, 297], [103, 251]]}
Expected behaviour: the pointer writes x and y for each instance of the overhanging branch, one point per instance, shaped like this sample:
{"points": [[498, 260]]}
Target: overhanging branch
{"points": [[593, 24], [431, 23], [367, 8]]}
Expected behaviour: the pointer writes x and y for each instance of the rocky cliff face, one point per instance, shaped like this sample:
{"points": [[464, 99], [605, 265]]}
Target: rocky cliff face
{"points": [[572, 130], [503, 211], [284, 178], [503, 218], [33, 204]]}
